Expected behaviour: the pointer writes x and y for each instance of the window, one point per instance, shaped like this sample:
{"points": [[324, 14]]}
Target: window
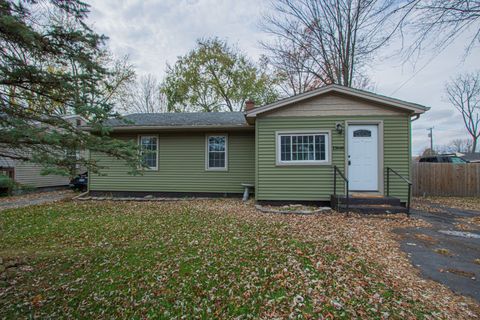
{"points": [[302, 148], [149, 146], [362, 133], [8, 171], [457, 160], [217, 152]]}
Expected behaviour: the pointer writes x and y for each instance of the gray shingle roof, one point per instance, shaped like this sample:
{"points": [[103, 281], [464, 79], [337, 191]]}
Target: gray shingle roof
{"points": [[7, 162], [184, 119]]}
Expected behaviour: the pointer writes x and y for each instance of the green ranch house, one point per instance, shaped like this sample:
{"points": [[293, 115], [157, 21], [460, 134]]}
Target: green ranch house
{"points": [[300, 149]]}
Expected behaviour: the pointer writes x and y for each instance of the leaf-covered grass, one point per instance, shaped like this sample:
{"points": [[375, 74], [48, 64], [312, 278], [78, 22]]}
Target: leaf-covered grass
{"points": [[164, 260], [461, 203]]}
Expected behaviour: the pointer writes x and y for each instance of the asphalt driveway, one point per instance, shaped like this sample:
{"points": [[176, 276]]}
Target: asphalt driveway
{"points": [[449, 250]]}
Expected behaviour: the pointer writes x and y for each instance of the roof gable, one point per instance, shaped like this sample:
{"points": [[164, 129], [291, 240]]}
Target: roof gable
{"points": [[345, 91]]}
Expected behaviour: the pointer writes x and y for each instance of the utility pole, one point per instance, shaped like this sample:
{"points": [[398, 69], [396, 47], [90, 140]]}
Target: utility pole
{"points": [[430, 135]]}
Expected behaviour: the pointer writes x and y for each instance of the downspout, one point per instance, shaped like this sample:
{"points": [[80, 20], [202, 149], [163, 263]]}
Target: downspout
{"points": [[415, 118]]}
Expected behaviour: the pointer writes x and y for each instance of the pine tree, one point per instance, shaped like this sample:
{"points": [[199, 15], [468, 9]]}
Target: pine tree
{"points": [[51, 64]]}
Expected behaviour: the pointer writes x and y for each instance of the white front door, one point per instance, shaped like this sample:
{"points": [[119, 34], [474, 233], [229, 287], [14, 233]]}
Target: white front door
{"points": [[363, 157]]}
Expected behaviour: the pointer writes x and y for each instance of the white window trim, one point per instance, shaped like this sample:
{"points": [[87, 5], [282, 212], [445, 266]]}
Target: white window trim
{"points": [[328, 148], [139, 137], [207, 168]]}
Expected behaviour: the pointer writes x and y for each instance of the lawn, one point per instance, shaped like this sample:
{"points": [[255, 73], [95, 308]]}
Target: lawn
{"points": [[209, 259], [462, 203]]}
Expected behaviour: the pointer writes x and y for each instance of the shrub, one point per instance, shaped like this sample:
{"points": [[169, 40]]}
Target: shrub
{"points": [[23, 188], [6, 185]]}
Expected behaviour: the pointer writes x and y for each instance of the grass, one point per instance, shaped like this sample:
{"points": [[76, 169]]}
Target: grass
{"points": [[164, 260]]}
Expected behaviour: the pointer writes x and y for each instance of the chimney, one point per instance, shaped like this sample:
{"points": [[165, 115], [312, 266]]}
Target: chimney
{"points": [[249, 105]]}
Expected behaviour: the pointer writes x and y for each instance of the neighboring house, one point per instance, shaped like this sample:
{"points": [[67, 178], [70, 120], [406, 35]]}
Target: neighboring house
{"points": [[29, 174], [288, 149]]}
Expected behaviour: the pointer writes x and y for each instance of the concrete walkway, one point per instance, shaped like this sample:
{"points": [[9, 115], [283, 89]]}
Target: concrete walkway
{"points": [[34, 199], [444, 252]]}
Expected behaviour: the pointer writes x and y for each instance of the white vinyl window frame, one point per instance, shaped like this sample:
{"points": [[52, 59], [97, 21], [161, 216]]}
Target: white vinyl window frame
{"points": [[328, 147], [139, 141], [207, 153]]}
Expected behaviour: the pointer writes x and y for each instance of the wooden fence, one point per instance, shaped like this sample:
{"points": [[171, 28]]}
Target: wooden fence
{"points": [[446, 179]]}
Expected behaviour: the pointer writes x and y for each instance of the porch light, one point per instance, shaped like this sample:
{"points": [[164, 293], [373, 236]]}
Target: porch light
{"points": [[339, 127]]}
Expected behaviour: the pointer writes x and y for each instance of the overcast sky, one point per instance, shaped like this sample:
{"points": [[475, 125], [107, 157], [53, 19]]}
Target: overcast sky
{"points": [[153, 33]]}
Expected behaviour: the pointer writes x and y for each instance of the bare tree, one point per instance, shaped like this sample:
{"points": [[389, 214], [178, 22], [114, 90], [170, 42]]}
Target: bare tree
{"points": [[330, 40], [290, 66], [460, 145], [437, 23], [455, 146], [463, 92], [142, 96]]}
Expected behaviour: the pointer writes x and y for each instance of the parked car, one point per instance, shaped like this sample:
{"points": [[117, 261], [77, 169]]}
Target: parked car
{"points": [[443, 158], [470, 157], [80, 182]]}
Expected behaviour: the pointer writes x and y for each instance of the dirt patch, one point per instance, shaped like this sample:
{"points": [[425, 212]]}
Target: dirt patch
{"points": [[443, 252], [293, 209], [458, 272], [472, 221], [465, 226], [424, 204], [426, 238]]}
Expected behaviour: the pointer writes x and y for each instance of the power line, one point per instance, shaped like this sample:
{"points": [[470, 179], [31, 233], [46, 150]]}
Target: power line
{"points": [[415, 73]]}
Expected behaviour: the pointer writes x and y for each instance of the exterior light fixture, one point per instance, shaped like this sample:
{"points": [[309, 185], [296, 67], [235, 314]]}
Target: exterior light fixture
{"points": [[339, 127]]}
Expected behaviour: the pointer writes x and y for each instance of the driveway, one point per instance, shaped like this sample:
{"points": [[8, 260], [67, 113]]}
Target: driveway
{"points": [[449, 250], [34, 199]]}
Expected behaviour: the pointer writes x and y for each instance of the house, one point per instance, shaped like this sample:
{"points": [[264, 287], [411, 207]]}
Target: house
{"points": [[29, 174], [287, 149]]}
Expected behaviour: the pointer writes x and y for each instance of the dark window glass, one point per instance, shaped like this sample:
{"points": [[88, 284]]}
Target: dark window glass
{"points": [[286, 148], [303, 147], [217, 151], [362, 133], [149, 150]]}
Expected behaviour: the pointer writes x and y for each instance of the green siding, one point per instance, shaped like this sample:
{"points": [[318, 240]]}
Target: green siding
{"points": [[182, 162], [316, 182], [182, 166]]}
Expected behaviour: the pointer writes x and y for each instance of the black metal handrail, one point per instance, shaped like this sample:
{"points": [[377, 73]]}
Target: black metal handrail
{"points": [[404, 179], [347, 197]]}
